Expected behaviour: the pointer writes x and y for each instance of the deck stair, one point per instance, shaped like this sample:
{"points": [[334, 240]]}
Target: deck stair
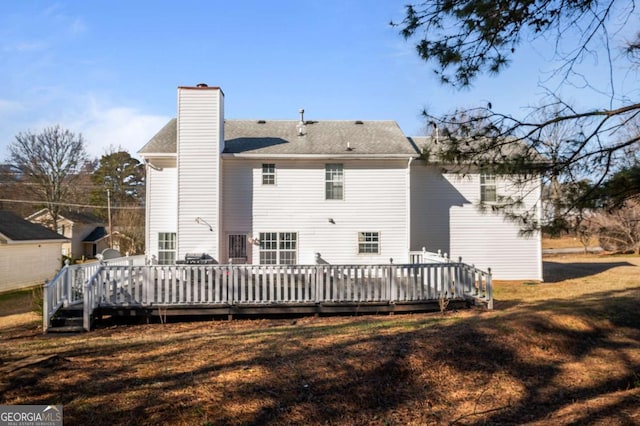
{"points": [[67, 320]]}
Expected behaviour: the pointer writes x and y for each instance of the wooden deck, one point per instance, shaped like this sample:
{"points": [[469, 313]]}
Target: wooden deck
{"points": [[231, 290]]}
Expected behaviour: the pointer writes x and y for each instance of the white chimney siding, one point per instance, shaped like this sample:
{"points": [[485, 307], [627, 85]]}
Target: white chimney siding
{"points": [[200, 140]]}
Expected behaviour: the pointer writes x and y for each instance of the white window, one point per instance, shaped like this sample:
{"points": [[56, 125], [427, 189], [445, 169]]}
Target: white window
{"points": [[334, 182], [368, 242], [278, 248], [166, 248], [268, 174], [488, 188]]}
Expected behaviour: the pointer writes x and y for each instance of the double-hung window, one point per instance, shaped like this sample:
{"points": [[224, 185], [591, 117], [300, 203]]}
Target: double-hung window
{"points": [[268, 174], [166, 248], [368, 242], [278, 248], [488, 188], [334, 182]]}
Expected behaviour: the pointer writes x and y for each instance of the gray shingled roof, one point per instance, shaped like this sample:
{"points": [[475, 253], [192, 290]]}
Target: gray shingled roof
{"points": [[164, 142], [80, 217], [98, 233], [16, 228], [73, 216], [506, 150], [281, 138]]}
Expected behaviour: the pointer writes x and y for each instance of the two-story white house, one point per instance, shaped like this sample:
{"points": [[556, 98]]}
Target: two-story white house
{"points": [[304, 191]]}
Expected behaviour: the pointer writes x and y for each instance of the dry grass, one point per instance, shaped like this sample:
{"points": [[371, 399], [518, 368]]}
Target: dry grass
{"points": [[566, 351], [566, 242]]}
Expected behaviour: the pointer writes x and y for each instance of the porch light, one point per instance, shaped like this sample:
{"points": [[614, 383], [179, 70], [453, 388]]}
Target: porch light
{"points": [[201, 221]]}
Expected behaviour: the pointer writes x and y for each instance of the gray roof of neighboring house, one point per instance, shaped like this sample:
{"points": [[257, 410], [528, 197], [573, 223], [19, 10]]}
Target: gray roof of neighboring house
{"points": [[274, 137], [73, 216], [80, 217], [16, 228], [95, 235]]}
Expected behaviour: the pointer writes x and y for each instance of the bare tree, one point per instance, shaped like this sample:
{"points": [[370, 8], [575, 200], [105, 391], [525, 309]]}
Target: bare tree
{"points": [[129, 222], [48, 163], [618, 230], [466, 38]]}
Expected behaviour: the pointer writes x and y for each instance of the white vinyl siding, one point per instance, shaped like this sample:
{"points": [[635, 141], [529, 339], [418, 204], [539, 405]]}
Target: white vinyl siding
{"points": [[162, 188], [28, 264], [200, 140], [237, 202], [376, 201], [445, 215]]}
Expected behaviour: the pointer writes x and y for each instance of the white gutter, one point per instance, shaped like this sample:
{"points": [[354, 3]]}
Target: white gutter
{"points": [[320, 156], [14, 242], [158, 155]]}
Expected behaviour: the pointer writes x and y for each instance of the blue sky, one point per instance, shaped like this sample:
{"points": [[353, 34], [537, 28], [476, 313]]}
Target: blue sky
{"points": [[109, 69]]}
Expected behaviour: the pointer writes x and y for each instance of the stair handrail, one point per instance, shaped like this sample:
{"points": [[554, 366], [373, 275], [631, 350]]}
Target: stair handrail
{"points": [[90, 304], [54, 295]]}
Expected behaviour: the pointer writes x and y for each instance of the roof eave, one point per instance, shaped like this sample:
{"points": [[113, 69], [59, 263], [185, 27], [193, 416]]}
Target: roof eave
{"points": [[9, 241], [157, 154], [318, 156]]}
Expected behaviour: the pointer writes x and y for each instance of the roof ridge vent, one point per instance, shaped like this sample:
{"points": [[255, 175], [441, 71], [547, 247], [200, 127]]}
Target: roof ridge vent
{"points": [[262, 121], [359, 122]]}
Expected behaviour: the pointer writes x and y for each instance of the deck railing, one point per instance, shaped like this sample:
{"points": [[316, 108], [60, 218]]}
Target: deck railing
{"points": [[424, 256], [147, 286], [67, 287]]}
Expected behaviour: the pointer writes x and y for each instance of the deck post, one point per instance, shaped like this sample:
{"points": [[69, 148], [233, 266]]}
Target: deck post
{"points": [[459, 284], [392, 282], [46, 299], [87, 309], [317, 284], [489, 290], [66, 285]]}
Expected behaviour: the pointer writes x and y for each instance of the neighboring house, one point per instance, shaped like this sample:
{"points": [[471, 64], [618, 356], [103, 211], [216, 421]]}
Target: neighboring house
{"points": [[341, 192], [86, 233], [29, 253]]}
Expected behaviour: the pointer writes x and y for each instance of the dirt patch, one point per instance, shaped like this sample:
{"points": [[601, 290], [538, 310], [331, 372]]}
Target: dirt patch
{"points": [[566, 352]]}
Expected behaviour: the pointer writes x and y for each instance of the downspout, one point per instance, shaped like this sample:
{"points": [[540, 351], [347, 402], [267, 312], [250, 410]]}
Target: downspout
{"points": [[147, 213], [408, 198], [539, 218]]}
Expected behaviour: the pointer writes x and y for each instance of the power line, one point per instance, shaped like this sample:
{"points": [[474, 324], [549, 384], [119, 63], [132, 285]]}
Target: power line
{"points": [[88, 206]]}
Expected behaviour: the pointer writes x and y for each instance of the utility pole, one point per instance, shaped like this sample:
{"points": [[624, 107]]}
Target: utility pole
{"points": [[109, 214]]}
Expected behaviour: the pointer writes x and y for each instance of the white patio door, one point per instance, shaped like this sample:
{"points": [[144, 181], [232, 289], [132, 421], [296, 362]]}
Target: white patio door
{"points": [[238, 248]]}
